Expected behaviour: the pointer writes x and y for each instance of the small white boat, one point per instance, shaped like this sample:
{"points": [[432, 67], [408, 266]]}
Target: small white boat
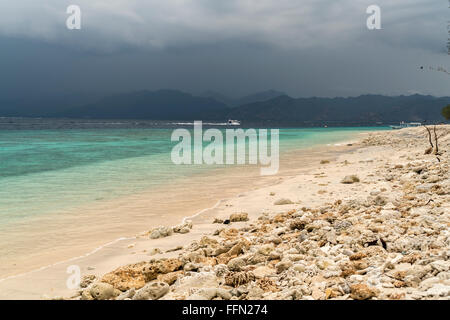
{"points": [[406, 125], [234, 123]]}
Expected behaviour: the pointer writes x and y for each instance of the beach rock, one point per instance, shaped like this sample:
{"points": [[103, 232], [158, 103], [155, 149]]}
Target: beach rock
{"points": [[163, 266], [126, 295], [170, 278], [152, 291], [86, 295], [126, 277], [183, 228], [274, 239], [298, 224], [87, 280], [424, 188], [419, 169], [266, 249], [204, 243], [190, 266], [230, 233], [439, 290], [379, 201], [318, 294], [237, 264], [236, 279], [434, 179], [102, 291], [350, 179], [196, 280], [362, 292], [177, 248], [275, 256], [440, 265], [428, 283], [224, 294], [204, 294], [255, 292], [220, 270], [283, 266], [282, 202], [161, 232], [331, 237], [154, 251], [256, 258], [238, 248], [239, 217], [195, 256], [151, 270], [263, 271], [210, 293]]}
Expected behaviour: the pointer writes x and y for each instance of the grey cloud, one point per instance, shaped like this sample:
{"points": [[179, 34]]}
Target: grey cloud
{"points": [[302, 47], [155, 24]]}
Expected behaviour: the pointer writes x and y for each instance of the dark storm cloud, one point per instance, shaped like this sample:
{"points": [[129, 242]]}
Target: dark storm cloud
{"points": [[309, 47]]}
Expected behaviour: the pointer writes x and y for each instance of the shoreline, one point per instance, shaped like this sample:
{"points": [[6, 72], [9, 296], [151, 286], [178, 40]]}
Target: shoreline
{"points": [[373, 236], [184, 220], [84, 212], [322, 150]]}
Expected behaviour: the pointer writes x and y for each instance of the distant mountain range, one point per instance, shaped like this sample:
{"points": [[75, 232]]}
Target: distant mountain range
{"points": [[252, 98], [268, 106], [43, 106], [157, 105], [362, 109]]}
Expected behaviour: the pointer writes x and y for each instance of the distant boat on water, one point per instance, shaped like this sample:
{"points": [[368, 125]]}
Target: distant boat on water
{"points": [[406, 125], [234, 123]]}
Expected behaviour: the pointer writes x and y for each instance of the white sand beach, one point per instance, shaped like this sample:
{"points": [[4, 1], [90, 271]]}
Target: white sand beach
{"points": [[366, 220]]}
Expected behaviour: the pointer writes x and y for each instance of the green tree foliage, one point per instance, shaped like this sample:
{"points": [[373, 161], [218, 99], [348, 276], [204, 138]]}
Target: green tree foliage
{"points": [[446, 112]]}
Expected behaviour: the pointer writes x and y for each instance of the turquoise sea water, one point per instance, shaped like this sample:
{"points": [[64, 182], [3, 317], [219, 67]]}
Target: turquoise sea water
{"points": [[44, 171], [64, 191]]}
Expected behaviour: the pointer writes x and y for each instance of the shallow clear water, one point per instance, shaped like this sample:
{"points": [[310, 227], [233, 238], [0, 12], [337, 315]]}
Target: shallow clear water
{"points": [[67, 187], [47, 171]]}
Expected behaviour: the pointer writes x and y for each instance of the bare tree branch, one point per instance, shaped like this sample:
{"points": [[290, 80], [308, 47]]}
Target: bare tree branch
{"points": [[429, 150], [436, 150]]}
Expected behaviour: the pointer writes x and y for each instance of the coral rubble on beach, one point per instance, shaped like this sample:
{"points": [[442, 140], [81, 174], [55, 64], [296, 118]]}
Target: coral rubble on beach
{"points": [[394, 244]]}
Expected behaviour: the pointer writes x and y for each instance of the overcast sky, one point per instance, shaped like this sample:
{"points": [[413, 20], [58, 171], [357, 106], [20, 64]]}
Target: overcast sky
{"points": [[303, 47]]}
